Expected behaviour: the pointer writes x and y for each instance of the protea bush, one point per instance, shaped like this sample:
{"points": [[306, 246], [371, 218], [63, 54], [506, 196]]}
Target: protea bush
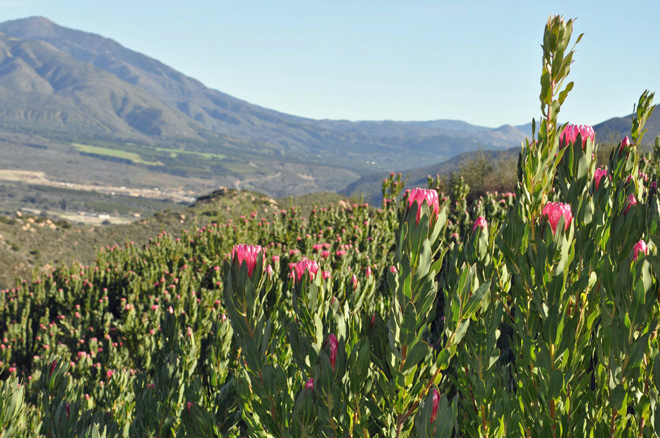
{"points": [[526, 314]]}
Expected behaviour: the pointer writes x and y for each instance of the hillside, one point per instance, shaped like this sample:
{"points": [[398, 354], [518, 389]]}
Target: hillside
{"points": [[85, 99], [370, 185], [29, 242], [54, 91], [225, 114], [616, 128]]}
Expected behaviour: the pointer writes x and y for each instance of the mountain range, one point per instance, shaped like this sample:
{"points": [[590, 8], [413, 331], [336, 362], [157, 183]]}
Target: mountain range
{"points": [[85, 101]]}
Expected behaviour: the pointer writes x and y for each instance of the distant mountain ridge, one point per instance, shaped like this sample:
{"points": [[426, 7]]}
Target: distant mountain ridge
{"points": [[219, 112], [67, 84], [43, 86]]}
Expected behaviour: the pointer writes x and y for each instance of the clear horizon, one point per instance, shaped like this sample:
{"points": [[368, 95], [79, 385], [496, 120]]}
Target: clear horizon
{"points": [[367, 60]]}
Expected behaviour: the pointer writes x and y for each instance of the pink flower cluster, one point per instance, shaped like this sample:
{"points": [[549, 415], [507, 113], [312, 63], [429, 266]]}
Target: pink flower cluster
{"points": [[247, 254], [480, 223], [630, 202], [570, 133], [334, 344], [298, 269], [436, 403], [598, 175], [625, 143], [424, 195], [640, 247], [556, 210]]}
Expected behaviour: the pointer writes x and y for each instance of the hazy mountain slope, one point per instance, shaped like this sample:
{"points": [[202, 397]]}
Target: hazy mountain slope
{"points": [[446, 132], [370, 185], [43, 86], [616, 128], [222, 113], [89, 98], [213, 109]]}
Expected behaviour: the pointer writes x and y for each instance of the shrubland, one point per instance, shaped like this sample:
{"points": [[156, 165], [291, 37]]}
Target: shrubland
{"points": [[526, 313]]}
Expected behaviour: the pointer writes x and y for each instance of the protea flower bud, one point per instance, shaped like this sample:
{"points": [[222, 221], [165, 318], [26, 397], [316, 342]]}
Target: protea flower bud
{"points": [[309, 384], [68, 412], [424, 195], [480, 223], [305, 265], [436, 403], [629, 203], [625, 143], [52, 368], [598, 175], [554, 211], [354, 281], [247, 254], [334, 344], [640, 246], [189, 406], [570, 133]]}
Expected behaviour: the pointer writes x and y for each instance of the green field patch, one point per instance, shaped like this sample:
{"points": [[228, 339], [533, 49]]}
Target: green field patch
{"points": [[117, 153], [176, 152]]}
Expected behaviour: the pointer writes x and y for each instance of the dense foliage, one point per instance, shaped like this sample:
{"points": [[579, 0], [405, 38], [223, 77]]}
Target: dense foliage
{"points": [[526, 314]]}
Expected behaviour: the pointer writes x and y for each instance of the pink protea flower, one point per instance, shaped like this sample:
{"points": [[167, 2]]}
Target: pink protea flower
{"points": [[629, 203], [598, 175], [424, 195], [570, 133], [480, 223], [325, 275], [554, 211], [247, 254], [309, 384], [436, 403], [368, 271], [298, 269], [640, 246], [354, 281], [189, 406], [334, 344], [625, 143]]}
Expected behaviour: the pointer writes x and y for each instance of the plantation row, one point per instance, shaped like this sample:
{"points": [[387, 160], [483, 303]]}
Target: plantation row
{"points": [[530, 314]]}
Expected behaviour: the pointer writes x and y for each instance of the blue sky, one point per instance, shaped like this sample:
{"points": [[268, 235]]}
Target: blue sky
{"points": [[476, 61]]}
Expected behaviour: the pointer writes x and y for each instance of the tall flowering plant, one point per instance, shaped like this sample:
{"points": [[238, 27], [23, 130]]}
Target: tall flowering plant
{"points": [[575, 276]]}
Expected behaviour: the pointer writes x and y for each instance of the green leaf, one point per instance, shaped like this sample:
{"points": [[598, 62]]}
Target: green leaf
{"points": [[556, 384], [618, 397], [474, 302], [415, 356], [408, 325]]}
